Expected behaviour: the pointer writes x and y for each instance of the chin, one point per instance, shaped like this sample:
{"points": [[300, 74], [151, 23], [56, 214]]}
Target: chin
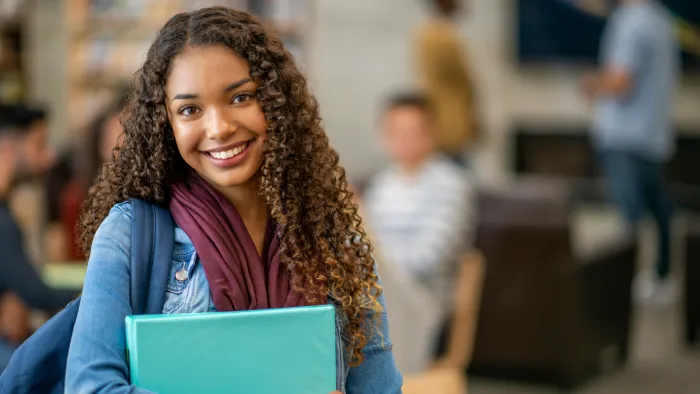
{"points": [[229, 180], [232, 177]]}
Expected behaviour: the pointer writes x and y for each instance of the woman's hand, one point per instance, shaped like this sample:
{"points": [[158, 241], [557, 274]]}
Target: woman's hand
{"points": [[336, 392]]}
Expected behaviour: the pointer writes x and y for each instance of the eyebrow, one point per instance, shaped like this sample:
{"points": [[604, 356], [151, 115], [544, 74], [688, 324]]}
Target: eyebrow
{"points": [[238, 84], [233, 86]]}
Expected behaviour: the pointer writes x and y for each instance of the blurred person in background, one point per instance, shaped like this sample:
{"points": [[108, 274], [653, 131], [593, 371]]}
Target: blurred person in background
{"points": [[68, 181], [421, 211], [633, 93], [23, 156], [444, 77]]}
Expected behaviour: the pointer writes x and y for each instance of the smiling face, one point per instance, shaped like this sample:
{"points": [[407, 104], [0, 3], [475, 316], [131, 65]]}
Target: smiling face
{"points": [[218, 124]]}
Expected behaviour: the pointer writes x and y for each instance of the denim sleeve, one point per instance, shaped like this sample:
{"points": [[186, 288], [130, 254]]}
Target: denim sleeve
{"points": [[97, 355], [378, 373]]}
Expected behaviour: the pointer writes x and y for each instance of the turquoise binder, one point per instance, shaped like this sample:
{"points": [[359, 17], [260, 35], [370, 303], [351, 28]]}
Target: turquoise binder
{"points": [[289, 350]]}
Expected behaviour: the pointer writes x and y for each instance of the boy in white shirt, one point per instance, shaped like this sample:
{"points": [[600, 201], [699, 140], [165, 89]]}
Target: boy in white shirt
{"points": [[420, 208]]}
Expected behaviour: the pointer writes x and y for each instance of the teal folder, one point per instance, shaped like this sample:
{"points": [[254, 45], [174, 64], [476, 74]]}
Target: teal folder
{"points": [[288, 350]]}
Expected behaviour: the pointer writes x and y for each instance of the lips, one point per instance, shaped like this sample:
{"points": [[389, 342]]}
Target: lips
{"points": [[230, 155], [229, 151]]}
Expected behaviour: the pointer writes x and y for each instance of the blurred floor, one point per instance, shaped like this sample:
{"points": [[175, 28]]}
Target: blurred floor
{"points": [[659, 363]]}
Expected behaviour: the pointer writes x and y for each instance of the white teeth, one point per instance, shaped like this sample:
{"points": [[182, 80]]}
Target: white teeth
{"points": [[229, 153]]}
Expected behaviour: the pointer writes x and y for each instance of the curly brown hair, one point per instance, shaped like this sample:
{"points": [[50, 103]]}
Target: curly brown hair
{"points": [[324, 244]]}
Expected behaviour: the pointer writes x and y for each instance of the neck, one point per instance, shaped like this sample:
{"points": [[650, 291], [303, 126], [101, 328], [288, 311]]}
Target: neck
{"points": [[247, 200], [413, 167]]}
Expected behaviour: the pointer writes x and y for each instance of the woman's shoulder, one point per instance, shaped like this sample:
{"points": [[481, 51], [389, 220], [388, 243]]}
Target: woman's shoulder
{"points": [[117, 224], [122, 208]]}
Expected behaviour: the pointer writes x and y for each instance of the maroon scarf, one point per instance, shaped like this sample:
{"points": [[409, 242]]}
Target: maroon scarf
{"points": [[238, 277]]}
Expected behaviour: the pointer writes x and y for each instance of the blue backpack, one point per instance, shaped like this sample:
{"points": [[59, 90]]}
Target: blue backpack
{"points": [[39, 365]]}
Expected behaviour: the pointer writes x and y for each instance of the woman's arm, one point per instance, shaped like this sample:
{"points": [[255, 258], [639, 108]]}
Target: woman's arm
{"points": [[378, 373], [97, 355]]}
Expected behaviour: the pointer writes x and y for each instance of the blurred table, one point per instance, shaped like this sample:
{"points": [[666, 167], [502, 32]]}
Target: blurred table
{"points": [[442, 381], [64, 275]]}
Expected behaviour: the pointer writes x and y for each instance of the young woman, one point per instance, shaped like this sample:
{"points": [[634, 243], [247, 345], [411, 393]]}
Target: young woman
{"points": [[220, 126]]}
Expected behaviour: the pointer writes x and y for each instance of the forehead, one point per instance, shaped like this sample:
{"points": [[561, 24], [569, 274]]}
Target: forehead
{"points": [[405, 113], [199, 68]]}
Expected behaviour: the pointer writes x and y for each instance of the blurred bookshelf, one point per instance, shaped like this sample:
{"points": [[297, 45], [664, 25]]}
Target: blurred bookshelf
{"points": [[108, 41]]}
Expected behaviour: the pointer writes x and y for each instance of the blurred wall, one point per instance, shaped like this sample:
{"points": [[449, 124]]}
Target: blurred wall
{"points": [[361, 52]]}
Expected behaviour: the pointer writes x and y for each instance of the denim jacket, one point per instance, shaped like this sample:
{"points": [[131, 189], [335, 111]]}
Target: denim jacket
{"points": [[97, 356]]}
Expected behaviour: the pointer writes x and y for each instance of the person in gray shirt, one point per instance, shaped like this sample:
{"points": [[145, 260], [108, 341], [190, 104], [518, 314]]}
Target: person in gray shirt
{"points": [[633, 95]]}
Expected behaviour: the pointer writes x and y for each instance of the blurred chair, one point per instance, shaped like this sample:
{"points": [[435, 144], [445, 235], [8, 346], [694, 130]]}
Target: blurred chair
{"points": [[436, 381], [465, 313], [547, 313], [447, 375]]}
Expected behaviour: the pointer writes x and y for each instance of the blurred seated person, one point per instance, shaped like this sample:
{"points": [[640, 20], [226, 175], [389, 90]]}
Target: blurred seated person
{"points": [[420, 210], [68, 181], [23, 156]]}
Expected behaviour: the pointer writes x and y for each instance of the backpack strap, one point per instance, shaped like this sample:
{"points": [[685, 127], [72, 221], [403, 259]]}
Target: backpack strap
{"points": [[152, 240]]}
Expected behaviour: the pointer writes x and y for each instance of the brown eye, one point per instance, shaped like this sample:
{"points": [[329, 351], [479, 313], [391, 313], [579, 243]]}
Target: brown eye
{"points": [[187, 110], [241, 98]]}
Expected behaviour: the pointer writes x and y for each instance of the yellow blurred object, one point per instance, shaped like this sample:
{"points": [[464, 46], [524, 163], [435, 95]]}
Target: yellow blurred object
{"points": [[689, 37], [438, 381], [444, 76], [65, 275]]}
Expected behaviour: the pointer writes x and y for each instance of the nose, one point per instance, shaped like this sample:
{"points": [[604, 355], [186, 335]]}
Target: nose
{"points": [[220, 126]]}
